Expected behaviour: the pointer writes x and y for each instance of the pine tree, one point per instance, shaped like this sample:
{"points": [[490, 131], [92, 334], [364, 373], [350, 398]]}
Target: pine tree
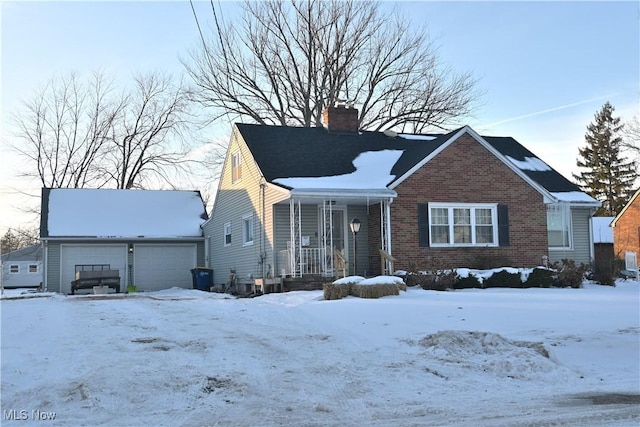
{"points": [[607, 176]]}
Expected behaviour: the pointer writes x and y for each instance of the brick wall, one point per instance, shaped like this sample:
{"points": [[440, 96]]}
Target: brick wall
{"points": [[466, 172], [626, 233]]}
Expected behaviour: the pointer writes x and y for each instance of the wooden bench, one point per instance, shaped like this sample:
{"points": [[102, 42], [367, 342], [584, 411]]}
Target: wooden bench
{"points": [[88, 276]]}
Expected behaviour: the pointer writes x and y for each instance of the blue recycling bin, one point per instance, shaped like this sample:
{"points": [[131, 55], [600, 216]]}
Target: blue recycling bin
{"points": [[202, 278]]}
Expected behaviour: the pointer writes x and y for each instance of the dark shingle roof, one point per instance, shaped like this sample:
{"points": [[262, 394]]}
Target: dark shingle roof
{"points": [[550, 179], [285, 152]]}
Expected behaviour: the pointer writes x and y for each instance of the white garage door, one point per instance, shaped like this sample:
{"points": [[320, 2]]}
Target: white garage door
{"points": [[72, 255], [162, 266]]}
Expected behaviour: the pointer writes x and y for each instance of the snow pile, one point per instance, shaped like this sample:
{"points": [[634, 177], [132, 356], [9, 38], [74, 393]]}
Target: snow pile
{"points": [[490, 353]]}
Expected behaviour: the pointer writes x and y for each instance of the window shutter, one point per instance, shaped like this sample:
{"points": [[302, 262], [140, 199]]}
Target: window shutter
{"points": [[503, 225], [423, 225]]}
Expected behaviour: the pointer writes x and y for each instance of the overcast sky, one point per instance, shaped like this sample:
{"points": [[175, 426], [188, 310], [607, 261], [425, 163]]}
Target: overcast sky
{"points": [[545, 68]]}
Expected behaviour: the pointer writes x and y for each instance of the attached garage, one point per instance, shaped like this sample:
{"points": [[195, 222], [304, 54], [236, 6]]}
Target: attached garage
{"points": [[72, 255], [162, 266]]}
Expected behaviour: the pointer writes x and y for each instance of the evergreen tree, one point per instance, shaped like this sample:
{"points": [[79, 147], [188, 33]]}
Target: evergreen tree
{"points": [[607, 175]]}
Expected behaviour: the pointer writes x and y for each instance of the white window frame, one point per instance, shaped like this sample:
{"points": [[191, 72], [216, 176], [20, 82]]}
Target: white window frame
{"points": [[36, 269], [236, 167], [227, 232], [472, 207], [17, 268], [564, 211], [248, 227]]}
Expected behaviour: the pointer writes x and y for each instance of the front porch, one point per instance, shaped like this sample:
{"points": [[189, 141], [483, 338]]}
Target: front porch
{"points": [[314, 237]]}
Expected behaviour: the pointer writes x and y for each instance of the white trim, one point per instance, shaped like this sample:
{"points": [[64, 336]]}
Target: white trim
{"points": [[486, 145], [236, 154], [224, 234], [635, 195], [473, 226], [568, 217], [245, 241]]}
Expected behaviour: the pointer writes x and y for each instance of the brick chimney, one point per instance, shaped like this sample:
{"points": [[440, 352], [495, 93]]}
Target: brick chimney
{"points": [[341, 117]]}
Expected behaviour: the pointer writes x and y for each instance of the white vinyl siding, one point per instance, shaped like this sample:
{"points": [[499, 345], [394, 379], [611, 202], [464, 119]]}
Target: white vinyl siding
{"points": [[463, 224]]}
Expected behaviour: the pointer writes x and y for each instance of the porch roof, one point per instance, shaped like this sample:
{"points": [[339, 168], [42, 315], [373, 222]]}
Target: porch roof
{"points": [[342, 196]]}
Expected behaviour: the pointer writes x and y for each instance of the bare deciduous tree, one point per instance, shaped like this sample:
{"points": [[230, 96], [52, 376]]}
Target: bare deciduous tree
{"points": [[631, 138], [89, 135], [286, 61], [63, 128]]}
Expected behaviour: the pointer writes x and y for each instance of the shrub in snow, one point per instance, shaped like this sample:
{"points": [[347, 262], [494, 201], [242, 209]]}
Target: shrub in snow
{"points": [[568, 274], [539, 278], [468, 282], [503, 279]]}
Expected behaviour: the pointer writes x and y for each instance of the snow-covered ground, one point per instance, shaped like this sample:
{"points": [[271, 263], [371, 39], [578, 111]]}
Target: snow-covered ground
{"points": [[494, 357]]}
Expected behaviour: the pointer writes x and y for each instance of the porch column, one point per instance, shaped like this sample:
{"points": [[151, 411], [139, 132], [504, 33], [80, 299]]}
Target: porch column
{"points": [[385, 230], [295, 247]]}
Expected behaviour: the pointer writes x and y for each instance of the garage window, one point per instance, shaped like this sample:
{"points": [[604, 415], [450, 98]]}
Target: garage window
{"points": [[247, 230], [33, 268], [14, 269]]}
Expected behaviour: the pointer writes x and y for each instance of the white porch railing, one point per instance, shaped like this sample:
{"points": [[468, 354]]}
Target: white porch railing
{"points": [[310, 262]]}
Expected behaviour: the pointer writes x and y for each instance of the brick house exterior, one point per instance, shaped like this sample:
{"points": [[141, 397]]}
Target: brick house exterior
{"points": [[626, 228], [430, 201], [447, 178]]}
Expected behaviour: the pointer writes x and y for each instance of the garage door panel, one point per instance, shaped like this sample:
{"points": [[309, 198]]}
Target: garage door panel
{"points": [[160, 266], [74, 254]]}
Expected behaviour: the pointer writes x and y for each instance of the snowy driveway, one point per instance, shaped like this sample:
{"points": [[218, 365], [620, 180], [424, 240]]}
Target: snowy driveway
{"points": [[497, 357]]}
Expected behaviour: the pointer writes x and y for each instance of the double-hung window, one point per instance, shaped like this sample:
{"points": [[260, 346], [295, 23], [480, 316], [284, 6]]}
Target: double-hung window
{"points": [[460, 225], [559, 226], [227, 234], [247, 230], [236, 167]]}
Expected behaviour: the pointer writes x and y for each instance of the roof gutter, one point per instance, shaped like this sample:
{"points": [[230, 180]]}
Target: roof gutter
{"points": [[334, 192]]}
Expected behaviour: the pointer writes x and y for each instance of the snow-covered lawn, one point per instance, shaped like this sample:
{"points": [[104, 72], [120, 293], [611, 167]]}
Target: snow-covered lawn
{"points": [[494, 357]]}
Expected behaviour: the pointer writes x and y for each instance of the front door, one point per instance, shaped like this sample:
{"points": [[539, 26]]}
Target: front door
{"points": [[332, 228]]}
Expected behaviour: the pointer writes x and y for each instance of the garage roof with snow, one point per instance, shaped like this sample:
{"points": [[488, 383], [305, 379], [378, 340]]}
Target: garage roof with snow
{"points": [[110, 213]]}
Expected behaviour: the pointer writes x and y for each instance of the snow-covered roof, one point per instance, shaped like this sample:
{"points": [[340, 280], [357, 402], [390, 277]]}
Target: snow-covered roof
{"points": [[110, 213], [601, 229], [298, 158], [372, 171]]}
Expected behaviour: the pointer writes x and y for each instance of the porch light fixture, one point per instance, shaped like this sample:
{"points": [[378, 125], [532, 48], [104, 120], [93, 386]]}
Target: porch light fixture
{"points": [[354, 225]]}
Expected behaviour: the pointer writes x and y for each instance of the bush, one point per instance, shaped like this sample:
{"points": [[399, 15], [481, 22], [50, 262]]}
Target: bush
{"points": [[503, 279], [568, 274], [539, 278], [468, 282]]}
